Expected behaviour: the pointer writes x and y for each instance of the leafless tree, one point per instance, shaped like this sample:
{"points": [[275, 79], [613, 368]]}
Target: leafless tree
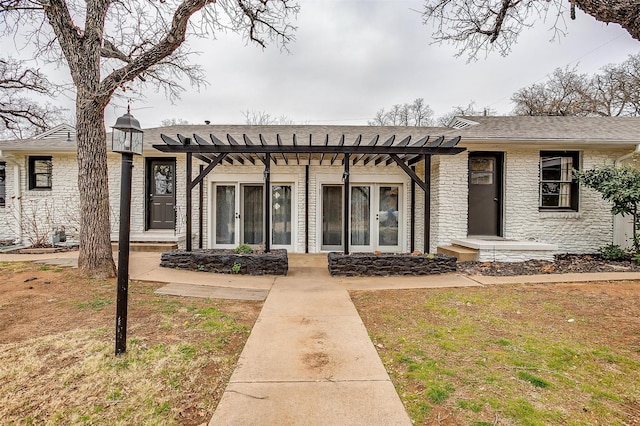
{"points": [[110, 46], [564, 93], [615, 91], [174, 122], [263, 118], [417, 114], [467, 111], [494, 25], [20, 115]]}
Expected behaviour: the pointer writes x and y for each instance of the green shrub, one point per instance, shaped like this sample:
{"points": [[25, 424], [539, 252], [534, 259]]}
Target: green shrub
{"points": [[613, 252], [236, 268], [243, 249]]}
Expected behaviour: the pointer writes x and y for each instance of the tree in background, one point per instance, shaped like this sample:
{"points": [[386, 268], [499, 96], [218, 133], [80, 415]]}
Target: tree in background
{"points": [[564, 93], [21, 116], [467, 111], [417, 114], [621, 187], [494, 25], [174, 122], [263, 118], [615, 91], [110, 46]]}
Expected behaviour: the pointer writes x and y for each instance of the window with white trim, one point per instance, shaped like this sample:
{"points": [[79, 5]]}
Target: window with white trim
{"points": [[40, 169], [558, 188]]}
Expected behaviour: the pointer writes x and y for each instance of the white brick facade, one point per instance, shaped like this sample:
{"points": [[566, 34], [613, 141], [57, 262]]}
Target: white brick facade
{"points": [[586, 230]]}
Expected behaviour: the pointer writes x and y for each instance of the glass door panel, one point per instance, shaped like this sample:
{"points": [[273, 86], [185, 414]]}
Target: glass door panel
{"points": [[252, 214], [360, 216], [281, 215], [331, 217], [388, 216], [225, 214]]}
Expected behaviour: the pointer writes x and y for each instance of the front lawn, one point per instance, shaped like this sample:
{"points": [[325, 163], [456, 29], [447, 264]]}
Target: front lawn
{"points": [[513, 354], [57, 363]]}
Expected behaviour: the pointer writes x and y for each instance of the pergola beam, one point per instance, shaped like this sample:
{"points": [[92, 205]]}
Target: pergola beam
{"points": [[301, 149]]}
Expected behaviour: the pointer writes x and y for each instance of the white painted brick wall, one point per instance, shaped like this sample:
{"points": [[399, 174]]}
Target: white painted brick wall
{"points": [[580, 232], [449, 189], [40, 211], [584, 231]]}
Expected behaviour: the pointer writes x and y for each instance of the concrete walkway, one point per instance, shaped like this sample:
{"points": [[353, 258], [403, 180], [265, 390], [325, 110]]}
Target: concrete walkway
{"points": [[309, 361]]}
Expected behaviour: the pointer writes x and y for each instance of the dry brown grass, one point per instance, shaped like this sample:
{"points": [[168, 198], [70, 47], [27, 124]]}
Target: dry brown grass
{"points": [[57, 362]]}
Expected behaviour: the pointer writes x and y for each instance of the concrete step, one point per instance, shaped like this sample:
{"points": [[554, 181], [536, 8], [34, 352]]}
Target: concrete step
{"points": [[463, 254], [148, 246]]}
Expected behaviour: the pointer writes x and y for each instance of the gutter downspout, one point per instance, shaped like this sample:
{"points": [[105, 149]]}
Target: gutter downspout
{"points": [[620, 223], [9, 159]]}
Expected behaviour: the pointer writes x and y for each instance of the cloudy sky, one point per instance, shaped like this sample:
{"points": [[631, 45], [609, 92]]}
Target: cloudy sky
{"points": [[351, 58]]}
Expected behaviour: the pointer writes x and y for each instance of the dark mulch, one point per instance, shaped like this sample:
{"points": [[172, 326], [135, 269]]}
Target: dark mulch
{"points": [[563, 263]]}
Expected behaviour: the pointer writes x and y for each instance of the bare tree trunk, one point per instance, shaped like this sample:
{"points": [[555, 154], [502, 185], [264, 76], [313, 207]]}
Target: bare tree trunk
{"points": [[96, 258], [623, 12]]}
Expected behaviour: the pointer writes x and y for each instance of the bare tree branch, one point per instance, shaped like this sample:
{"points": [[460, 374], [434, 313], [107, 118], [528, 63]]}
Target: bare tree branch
{"points": [[20, 115], [476, 26]]}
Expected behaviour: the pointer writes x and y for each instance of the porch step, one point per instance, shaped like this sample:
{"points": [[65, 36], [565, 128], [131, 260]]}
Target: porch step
{"points": [[463, 254], [148, 246]]}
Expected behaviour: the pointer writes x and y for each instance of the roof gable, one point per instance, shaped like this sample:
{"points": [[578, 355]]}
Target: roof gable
{"points": [[61, 131]]}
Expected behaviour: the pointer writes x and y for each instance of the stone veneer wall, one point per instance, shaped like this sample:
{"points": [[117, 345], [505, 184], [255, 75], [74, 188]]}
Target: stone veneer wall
{"points": [[368, 264], [222, 261]]}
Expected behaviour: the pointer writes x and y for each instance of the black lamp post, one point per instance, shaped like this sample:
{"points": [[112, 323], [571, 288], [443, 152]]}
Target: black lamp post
{"points": [[127, 140]]}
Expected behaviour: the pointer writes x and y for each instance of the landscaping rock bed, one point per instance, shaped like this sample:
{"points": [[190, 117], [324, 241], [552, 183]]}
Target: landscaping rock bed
{"points": [[562, 264], [219, 261], [389, 264]]}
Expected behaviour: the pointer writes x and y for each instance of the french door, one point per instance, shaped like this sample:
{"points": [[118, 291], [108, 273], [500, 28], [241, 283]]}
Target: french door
{"points": [[375, 217], [238, 215]]}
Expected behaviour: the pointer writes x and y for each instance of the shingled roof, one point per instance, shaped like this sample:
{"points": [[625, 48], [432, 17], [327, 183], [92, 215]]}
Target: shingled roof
{"points": [[527, 128]]}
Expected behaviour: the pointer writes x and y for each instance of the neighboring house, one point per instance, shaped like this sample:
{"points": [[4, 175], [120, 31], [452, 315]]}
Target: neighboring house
{"points": [[509, 194]]}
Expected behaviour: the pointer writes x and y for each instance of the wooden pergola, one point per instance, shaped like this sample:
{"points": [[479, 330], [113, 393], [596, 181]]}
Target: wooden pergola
{"points": [[405, 153]]}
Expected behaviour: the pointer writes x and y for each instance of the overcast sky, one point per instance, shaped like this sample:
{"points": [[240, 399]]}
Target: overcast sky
{"points": [[351, 58]]}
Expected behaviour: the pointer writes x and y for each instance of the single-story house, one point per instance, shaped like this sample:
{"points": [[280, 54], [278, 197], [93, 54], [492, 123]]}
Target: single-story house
{"points": [[500, 187]]}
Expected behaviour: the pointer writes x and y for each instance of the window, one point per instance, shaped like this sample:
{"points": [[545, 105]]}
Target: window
{"points": [[558, 189], [40, 172], [3, 167]]}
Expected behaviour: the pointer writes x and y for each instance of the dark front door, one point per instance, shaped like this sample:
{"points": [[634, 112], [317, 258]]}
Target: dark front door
{"points": [[485, 193], [161, 178]]}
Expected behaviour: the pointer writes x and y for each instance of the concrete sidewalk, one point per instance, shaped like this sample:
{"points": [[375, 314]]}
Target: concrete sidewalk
{"points": [[309, 361]]}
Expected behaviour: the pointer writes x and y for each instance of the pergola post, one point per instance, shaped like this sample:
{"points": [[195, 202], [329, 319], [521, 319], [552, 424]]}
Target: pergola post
{"points": [[267, 202], [413, 214], [347, 203], [200, 209], [188, 206], [427, 203]]}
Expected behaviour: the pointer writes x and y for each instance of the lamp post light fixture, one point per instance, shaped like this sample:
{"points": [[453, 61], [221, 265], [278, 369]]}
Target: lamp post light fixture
{"points": [[127, 140]]}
